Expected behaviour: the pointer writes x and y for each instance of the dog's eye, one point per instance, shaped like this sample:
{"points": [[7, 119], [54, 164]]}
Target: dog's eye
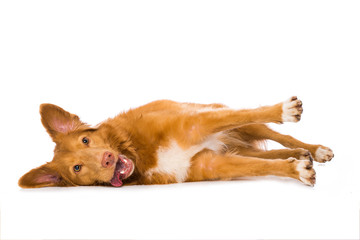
{"points": [[77, 168], [85, 140]]}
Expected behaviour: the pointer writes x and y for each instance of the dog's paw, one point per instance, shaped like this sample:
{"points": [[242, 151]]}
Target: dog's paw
{"points": [[303, 154], [306, 173], [323, 154], [292, 110]]}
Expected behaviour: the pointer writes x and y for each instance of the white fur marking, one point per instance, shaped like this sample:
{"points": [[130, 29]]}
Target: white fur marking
{"points": [[289, 111], [303, 172], [323, 154], [191, 109], [175, 160], [209, 109]]}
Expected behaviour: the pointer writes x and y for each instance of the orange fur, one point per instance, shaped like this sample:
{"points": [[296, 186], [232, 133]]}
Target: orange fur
{"points": [[172, 142]]}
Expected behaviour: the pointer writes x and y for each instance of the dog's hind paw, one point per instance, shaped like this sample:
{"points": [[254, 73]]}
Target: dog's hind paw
{"points": [[323, 154], [292, 110], [306, 172], [303, 154]]}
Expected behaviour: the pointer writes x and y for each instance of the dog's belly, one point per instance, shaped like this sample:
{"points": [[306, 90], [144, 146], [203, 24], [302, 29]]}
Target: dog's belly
{"points": [[176, 161]]}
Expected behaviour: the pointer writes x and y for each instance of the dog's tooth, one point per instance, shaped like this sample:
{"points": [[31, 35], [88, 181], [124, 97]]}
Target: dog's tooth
{"points": [[122, 171]]}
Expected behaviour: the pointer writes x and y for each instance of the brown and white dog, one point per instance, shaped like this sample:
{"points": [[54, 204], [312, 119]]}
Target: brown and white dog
{"points": [[169, 142]]}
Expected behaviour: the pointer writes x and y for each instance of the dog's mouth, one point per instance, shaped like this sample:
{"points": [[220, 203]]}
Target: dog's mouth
{"points": [[123, 169]]}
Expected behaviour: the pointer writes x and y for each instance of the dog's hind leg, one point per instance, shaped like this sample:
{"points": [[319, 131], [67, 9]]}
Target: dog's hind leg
{"points": [[262, 132], [207, 165]]}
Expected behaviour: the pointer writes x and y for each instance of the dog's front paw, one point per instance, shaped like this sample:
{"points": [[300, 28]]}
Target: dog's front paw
{"points": [[323, 154], [292, 110], [306, 173]]}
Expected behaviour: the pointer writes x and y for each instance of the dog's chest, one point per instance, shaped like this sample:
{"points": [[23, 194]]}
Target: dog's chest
{"points": [[175, 161]]}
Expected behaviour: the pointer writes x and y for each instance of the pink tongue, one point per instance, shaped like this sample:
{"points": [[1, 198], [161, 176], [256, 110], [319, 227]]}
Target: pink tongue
{"points": [[115, 181]]}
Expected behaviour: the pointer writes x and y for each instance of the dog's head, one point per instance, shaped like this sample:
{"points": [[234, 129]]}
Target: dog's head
{"points": [[83, 155]]}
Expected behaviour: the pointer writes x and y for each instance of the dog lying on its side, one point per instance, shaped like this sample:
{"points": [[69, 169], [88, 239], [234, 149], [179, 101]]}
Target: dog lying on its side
{"points": [[169, 142]]}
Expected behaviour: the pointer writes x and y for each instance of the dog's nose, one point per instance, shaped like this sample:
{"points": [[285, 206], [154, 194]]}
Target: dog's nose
{"points": [[108, 160]]}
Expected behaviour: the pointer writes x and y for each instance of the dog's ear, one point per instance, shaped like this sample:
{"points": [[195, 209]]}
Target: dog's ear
{"points": [[43, 176], [57, 121]]}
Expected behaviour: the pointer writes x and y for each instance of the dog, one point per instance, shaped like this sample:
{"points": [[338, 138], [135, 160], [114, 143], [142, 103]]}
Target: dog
{"points": [[169, 142]]}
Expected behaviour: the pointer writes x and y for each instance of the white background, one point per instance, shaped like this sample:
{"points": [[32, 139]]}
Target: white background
{"points": [[97, 58]]}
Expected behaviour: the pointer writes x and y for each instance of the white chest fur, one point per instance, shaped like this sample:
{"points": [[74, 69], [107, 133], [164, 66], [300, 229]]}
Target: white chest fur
{"points": [[174, 160]]}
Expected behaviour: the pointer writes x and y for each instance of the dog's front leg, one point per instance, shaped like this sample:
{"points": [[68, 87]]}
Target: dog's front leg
{"points": [[205, 123]]}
